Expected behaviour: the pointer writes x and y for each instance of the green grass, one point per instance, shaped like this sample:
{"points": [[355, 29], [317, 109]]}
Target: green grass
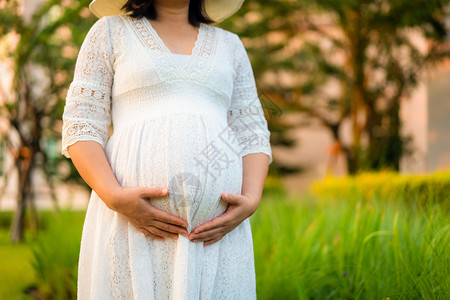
{"points": [[305, 248], [15, 269], [315, 249], [16, 260]]}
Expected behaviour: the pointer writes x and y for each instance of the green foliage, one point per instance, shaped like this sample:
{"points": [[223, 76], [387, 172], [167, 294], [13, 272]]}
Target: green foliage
{"points": [[48, 42], [55, 257], [369, 51], [388, 186], [41, 51], [308, 249]]}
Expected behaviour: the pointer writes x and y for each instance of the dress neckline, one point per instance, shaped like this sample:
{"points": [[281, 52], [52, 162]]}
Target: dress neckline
{"points": [[194, 52], [196, 66]]}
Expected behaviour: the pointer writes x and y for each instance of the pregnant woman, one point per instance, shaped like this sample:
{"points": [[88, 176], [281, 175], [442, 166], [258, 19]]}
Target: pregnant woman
{"points": [[175, 184]]}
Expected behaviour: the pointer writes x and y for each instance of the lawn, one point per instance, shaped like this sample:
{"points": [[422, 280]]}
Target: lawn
{"points": [[305, 248], [16, 260], [310, 249], [15, 269]]}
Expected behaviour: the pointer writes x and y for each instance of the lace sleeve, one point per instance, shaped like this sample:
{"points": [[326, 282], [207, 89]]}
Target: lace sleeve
{"points": [[245, 115], [88, 103]]}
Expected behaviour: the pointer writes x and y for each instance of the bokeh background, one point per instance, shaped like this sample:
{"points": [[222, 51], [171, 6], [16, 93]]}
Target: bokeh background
{"points": [[356, 94]]}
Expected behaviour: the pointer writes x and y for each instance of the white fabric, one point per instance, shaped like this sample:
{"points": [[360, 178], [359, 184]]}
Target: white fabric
{"points": [[182, 127], [181, 58]]}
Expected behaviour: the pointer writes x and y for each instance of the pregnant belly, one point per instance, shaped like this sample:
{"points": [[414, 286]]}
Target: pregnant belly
{"points": [[191, 156]]}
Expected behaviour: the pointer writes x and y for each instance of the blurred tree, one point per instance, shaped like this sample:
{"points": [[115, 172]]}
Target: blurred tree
{"points": [[41, 51], [365, 50], [297, 47]]}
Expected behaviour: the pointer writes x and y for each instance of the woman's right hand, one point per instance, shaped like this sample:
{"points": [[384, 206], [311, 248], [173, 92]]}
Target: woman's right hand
{"points": [[133, 203]]}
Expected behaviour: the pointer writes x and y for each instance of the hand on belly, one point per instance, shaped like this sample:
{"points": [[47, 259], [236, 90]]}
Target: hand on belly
{"points": [[194, 201], [240, 208]]}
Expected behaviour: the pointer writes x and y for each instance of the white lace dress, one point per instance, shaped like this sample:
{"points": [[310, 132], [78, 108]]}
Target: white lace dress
{"points": [[182, 126]]}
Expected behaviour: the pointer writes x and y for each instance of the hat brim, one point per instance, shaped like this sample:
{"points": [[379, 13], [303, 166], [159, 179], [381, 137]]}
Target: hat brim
{"points": [[217, 10], [101, 8]]}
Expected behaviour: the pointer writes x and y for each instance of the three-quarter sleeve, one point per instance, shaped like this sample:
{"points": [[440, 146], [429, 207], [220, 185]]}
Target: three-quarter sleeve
{"points": [[245, 114], [87, 111]]}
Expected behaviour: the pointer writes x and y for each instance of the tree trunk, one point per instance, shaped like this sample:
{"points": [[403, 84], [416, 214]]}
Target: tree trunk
{"points": [[23, 165], [352, 162]]}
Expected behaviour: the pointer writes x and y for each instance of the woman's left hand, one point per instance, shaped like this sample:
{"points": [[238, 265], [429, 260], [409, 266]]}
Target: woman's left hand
{"points": [[239, 208]]}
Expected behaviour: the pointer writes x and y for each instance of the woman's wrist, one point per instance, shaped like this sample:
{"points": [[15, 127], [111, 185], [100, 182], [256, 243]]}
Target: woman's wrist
{"points": [[253, 201], [255, 168], [113, 197]]}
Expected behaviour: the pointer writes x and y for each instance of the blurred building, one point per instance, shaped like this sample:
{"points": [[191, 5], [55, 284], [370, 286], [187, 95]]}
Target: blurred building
{"points": [[438, 133]]}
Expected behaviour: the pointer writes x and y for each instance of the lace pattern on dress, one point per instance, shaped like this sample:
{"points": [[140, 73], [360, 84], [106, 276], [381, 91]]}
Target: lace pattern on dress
{"points": [[88, 103], [245, 115], [89, 93], [195, 68], [203, 56]]}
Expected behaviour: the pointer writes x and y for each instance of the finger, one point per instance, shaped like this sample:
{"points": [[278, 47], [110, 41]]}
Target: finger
{"points": [[232, 198], [148, 233], [209, 237], [210, 242], [169, 227], [148, 192], [222, 220], [165, 217], [159, 232], [207, 234]]}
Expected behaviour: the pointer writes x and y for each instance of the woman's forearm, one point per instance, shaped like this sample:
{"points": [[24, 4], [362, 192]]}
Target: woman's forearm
{"points": [[90, 160], [255, 168]]}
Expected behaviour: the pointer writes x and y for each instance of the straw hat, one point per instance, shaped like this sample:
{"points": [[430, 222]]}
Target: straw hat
{"points": [[217, 10]]}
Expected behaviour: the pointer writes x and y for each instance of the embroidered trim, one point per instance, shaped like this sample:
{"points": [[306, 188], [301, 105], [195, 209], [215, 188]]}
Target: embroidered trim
{"points": [[198, 63], [203, 59], [251, 110], [88, 92]]}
